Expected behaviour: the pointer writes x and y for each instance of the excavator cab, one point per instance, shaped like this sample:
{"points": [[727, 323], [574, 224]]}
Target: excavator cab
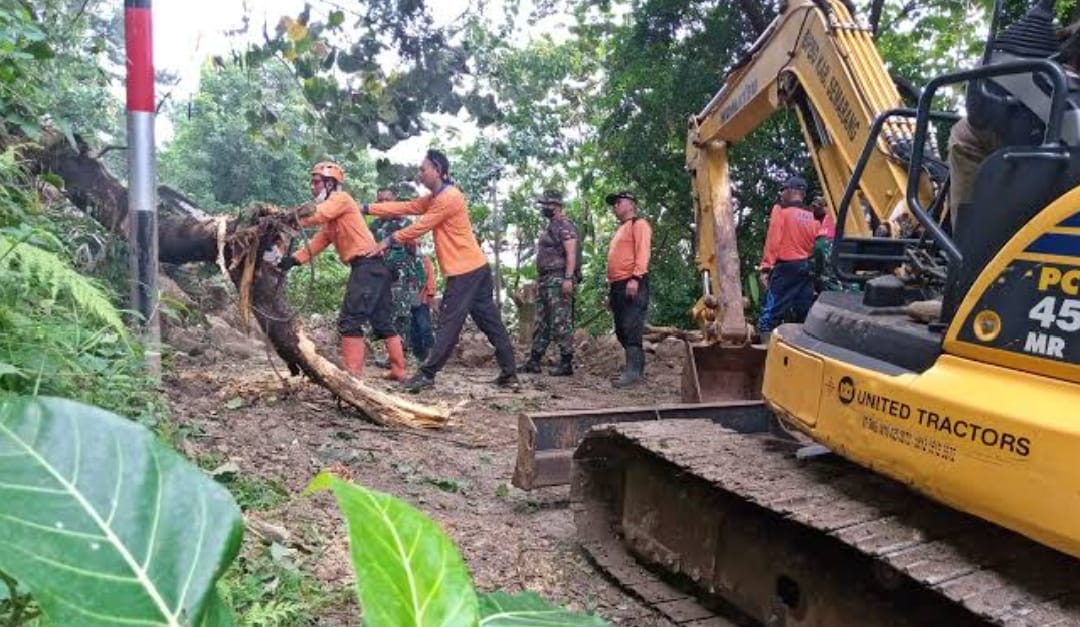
{"points": [[988, 386]]}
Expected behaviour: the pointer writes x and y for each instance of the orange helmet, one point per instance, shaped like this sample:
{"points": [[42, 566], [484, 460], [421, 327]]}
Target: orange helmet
{"points": [[329, 169]]}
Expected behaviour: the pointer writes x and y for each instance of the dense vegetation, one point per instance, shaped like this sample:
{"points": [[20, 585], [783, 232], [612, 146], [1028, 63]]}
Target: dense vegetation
{"points": [[602, 105]]}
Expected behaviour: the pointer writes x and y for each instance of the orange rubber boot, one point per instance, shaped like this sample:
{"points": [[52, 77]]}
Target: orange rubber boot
{"points": [[395, 350], [352, 354]]}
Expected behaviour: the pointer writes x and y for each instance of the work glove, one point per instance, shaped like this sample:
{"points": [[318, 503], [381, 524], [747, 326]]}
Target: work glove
{"points": [[287, 263]]}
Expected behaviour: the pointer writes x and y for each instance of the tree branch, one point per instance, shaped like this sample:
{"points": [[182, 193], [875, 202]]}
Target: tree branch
{"points": [[875, 16], [900, 16], [753, 12]]}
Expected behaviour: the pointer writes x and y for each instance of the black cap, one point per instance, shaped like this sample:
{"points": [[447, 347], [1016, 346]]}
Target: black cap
{"points": [[550, 197], [612, 198], [438, 158], [795, 182]]}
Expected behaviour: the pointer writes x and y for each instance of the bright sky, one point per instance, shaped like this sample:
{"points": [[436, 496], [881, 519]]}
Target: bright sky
{"points": [[189, 32]]}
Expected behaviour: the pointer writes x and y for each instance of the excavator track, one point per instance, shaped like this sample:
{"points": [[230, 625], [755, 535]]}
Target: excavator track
{"points": [[738, 528]]}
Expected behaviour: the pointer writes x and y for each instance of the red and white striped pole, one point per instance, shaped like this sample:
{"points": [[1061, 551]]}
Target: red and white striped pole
{"points": [[142, 189]]}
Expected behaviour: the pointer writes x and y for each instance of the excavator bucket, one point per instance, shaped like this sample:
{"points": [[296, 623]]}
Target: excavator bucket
{"points": [[715, 373]]}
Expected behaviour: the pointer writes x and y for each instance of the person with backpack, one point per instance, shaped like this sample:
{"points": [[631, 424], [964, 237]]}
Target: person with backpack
{"points": [[628, 283], [558, 268]]}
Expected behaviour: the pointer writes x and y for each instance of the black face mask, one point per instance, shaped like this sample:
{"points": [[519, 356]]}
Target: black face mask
{"points": [[547, 212]]}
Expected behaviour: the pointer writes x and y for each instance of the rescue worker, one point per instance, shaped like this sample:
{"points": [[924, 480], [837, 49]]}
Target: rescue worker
{"points": [[556, 267], [824, 277], [628, 283], [407, 269], [469, 284], [421, 335], [789, 246], [367, 296]]}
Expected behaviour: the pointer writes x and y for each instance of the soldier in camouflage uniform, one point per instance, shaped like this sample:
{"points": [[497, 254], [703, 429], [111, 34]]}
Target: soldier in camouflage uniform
{"points": [[406, 265], [825, 279], [556, 265]]}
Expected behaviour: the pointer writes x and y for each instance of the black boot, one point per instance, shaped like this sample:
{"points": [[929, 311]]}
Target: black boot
{"points": [[506, 380], [635, 367], [533, 365], [565, 367], [417, 382]]}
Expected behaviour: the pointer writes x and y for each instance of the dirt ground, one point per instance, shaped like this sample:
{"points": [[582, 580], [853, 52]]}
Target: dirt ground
{"points": [[239, 410]]}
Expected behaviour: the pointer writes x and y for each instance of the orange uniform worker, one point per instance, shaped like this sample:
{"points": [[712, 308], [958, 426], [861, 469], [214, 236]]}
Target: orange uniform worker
{"points": [[628, 283], [469, 284], [789, 247], [367, 297]]}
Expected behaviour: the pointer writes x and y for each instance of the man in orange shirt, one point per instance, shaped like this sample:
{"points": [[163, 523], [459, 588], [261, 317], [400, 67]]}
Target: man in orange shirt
{"points": [[789, 247], [367, 297], [628, 283], [469, 284]]}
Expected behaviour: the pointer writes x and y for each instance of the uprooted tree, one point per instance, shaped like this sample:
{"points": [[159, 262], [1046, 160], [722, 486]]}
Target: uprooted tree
{"points": [[187, 234]]}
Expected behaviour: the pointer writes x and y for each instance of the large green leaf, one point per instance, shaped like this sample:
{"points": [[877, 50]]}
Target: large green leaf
{"points": [[527, 609], [408, 572], [104, 524]]}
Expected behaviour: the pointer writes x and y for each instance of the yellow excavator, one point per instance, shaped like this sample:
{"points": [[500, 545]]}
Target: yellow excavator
{"points": [[810, 507]]}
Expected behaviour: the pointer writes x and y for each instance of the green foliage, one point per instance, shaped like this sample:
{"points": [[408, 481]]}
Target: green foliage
{"points": [[52, 68], [60, 334], [318, 287], [527, 609], [42, 271], [248, 135], [255, 493], [266, 589], [409, 573], [23, 42], [921, 42], [333, 54], [103, 518]]}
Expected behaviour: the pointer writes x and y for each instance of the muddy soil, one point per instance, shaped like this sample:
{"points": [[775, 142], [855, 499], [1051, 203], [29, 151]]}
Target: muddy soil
{"points": [[288, 431]]}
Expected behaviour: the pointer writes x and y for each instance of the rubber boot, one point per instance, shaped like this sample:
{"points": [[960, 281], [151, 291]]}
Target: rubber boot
{"points": [[395, 351], [352, 354], [565, 367], [635, 367], [533, 365]]}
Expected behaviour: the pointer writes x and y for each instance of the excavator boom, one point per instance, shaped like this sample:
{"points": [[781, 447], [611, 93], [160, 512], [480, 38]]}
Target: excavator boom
{"points": [[816, 59]]}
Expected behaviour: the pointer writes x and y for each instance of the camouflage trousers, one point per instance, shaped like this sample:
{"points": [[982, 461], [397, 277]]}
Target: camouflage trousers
{"points": [[554, 318], [404, 297]]}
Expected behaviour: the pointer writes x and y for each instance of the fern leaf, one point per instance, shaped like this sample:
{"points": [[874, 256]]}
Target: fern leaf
{"points": [[54, 273], [271, 614]]}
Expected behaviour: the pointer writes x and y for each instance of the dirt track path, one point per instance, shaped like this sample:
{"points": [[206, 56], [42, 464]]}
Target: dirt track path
{"points": [[512, 540]]}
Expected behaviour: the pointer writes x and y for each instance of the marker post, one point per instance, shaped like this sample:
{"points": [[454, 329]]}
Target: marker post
{"points": [[142, 190]]}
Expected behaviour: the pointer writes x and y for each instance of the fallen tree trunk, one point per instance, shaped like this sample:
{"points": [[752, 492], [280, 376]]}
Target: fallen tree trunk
{"points": [[187, 234]]}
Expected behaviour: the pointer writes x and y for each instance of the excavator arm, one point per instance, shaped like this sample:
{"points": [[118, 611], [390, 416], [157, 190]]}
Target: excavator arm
{"points": [[816, 59]]}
